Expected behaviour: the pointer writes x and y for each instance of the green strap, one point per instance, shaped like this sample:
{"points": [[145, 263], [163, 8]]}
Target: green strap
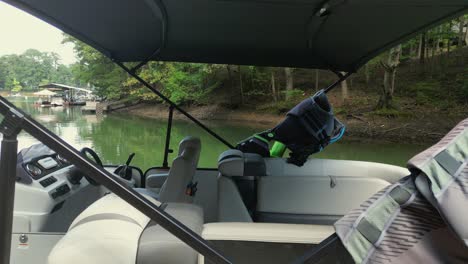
{"points": [[448, 162], [372, 232], [400, 195], [368, 230]]}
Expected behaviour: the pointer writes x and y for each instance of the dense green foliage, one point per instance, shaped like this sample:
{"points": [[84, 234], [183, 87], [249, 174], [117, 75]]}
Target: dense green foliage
{"points": [[30, 69], [181, 82]]}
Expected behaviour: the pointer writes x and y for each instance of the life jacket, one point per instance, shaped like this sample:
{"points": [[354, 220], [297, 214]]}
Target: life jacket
{"points": [[420, 219], [307, 129]]}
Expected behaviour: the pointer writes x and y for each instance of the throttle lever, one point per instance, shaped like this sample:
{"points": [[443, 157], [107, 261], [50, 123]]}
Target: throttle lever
{"points": [[130, 158]]}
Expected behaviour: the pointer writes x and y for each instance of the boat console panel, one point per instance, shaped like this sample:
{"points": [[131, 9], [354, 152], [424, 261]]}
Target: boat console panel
{"points": [[46, 180], [42, 166]]}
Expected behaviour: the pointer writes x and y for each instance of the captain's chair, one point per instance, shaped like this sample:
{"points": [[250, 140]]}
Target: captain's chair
{"points": [[174, 185], [182, 172]]}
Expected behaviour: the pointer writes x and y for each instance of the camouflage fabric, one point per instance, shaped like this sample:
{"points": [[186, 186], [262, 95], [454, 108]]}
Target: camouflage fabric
{"points": [[420, 218]]}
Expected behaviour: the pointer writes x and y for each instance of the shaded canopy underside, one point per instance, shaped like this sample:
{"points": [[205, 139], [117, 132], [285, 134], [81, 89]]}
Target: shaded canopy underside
{"points": [[339, 35]]}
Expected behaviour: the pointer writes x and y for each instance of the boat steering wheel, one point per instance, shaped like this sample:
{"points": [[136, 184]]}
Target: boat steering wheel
{"points": [[96, 158]]}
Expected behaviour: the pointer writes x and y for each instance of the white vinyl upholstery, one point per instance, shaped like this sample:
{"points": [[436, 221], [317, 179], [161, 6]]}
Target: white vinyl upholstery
{"points": [[238, 173], [267, 232], [111, 231], [271, 240], [182, 172], [231, 208], [107, 227], [231, 163]]}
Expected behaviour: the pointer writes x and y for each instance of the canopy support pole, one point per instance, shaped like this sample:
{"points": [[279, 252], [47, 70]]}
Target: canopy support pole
{"points": [[10, 127], [167, 149], [341, 78], [14, 121], [167, 100]]}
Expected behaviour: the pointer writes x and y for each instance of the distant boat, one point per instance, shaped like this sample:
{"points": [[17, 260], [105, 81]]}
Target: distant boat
{"points": [[16, 95], [46, 103]]}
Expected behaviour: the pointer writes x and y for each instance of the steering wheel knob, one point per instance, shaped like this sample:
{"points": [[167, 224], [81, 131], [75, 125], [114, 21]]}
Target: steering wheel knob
{"points": [[96, 158]]}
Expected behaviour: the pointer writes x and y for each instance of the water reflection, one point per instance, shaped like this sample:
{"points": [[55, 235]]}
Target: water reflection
{"points": [[115, 136]]}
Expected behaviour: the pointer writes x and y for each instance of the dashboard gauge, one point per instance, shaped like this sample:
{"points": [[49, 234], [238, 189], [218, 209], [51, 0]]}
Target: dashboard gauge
{"points": [[34, 170], [62, 159]]}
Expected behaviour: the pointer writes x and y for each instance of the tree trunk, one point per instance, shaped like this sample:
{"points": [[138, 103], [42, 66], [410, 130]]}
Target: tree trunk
{"points": [[231, 80], [439, 40], [273, 86], [465, 37], [422, 48], [316, 79], [240, 85], [449, 40], [386, 98], [344, 90], [289, 81], [411, 50], [388, 86], [367, 74], [460, 32]]}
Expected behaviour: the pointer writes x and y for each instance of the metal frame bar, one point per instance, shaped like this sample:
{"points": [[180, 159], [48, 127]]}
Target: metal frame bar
{"points": [[10, 127], [341, 78], [167, 149], [320, 251], [14, 121], [167, 100]]}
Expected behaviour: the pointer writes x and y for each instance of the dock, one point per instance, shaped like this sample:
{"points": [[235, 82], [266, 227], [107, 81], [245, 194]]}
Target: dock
{"points": [[89, 108], [100, 108]]}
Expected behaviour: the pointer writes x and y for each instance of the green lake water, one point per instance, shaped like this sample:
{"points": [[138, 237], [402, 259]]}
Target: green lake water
{"points": [[115, 136]]}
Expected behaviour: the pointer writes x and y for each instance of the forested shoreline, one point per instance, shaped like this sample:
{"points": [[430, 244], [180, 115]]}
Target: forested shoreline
{"points": [[425, 77]]}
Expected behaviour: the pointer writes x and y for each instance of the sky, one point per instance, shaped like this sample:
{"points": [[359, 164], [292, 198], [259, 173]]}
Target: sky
{"points": [[20, 31]]}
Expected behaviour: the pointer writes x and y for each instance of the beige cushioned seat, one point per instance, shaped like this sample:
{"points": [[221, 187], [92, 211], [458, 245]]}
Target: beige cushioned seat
{"points": [[111, 231], [182, 171], [264, 242]]}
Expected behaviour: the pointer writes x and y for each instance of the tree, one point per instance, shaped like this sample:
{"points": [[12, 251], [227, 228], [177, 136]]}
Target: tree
{"points": [[288, 72], [273, 85], [240, 84], [461, 35], [388, 87], [422, 48], [32, 67], [3, 74], [316, 79], [16, 86], [94, 68], [231, 84], [344, 90]]}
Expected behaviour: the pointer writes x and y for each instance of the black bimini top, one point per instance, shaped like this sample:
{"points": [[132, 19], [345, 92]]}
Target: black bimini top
{"points": [[339, 35]]}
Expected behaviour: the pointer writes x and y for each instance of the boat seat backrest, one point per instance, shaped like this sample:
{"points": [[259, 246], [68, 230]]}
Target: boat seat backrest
{"points": [[182, 171], [235, 163], [112, 231], [237, 192]]}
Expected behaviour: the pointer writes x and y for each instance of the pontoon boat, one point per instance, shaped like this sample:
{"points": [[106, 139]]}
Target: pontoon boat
{"points": [[67, 208]]}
